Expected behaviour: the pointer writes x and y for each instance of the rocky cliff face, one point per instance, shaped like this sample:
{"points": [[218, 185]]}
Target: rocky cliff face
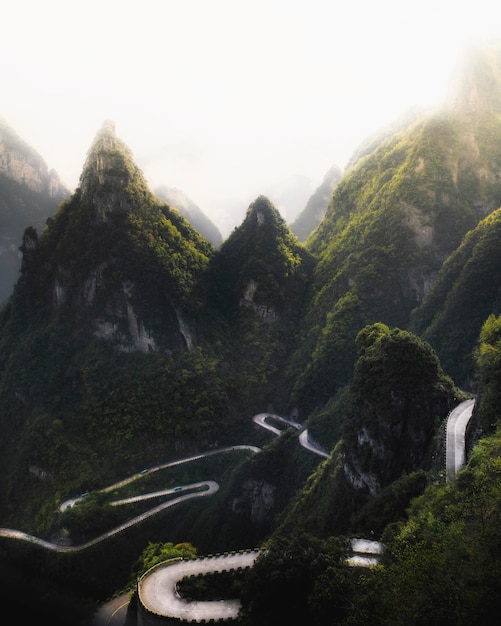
{"points": [[399, 394], [21, 163], [107, 173], [257, 501], [117, 261], [475, 87], [29, 194]]}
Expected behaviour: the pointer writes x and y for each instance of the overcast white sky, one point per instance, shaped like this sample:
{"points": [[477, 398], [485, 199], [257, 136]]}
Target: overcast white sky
{"points": [[227, 99]]}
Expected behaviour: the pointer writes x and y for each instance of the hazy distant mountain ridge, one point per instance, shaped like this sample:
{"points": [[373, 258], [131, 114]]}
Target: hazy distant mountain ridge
{"points": [[475, 87], [29, 193], [20, 162], [177, 199], [316, 207]]}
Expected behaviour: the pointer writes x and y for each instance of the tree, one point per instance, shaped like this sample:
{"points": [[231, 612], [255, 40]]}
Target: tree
{"points": [[299, 579], [155, 553], [488, 364]]}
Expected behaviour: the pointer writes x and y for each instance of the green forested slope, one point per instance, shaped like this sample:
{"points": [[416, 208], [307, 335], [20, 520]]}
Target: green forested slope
{"points": [[393, 219], [258, 285], [109, 293], [466, 292]]}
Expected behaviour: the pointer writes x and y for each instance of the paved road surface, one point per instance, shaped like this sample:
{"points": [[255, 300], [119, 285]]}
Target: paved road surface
{"points": [[366, 553], [205, 488], [457, 422], [260, 420], [306, 443], [72, 501], [157, 589], [112, 613]]}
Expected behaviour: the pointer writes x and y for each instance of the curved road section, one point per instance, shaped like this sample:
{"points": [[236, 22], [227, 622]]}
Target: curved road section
{"points": [[206, 488], [158, 594], [195, 490], [457, 422], [157, 588], [260, 420]]}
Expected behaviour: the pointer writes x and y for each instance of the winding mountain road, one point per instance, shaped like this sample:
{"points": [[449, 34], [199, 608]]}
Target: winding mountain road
{"points": [[455, 459], [157, 588], [260, 420], [201, 489], [194, 490], [126, 481]]}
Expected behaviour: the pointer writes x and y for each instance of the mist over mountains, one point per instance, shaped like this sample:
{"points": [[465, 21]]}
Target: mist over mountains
{"points": [[30, 193], [134, 333]]}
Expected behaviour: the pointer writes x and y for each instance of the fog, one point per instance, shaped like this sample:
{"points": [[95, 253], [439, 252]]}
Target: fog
{"points": [[227, 99]]}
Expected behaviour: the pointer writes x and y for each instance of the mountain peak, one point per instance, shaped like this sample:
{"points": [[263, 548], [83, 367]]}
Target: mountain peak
{"points": [[261, 266], [475, 86], [261, 211], [105, 141], [108, 171]]}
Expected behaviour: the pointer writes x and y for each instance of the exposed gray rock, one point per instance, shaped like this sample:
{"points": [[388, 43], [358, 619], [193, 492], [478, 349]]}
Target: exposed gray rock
{"points": [[258, 498]]}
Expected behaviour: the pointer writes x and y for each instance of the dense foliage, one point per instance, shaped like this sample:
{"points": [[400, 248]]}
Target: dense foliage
{"points": [[442, 558], [400, 396], [261, 264], [156, 553], [191, 211], [397, 399], [449, 550], [394, 217], [464, 294], [298, 579], [488, 367]]}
